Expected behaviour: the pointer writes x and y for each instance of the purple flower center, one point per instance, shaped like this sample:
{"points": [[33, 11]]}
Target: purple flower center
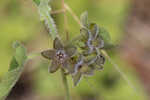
{"points": [[61, 56]]}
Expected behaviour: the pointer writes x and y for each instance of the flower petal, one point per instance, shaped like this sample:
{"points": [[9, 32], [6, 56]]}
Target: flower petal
{"points": [[94, 30], [99, 68], [76, 78], [84, 19], [57, 44], [54, 67], [49, 54], [84, 32], [87, 70], [70, 50], [78, 64], [100, 42], [100, 60], [90, 59], [68, 66]]}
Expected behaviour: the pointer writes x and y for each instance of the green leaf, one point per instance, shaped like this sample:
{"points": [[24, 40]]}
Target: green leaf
{"points": [[105, 35], [107, 39], [13, 64], [84, 19], [44, 11], [16, 67], [20, 54], [109, 46], [37, 2]]}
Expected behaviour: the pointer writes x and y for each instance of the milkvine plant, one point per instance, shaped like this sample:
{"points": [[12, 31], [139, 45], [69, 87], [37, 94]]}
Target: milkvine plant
{"points": [[81, 56]]}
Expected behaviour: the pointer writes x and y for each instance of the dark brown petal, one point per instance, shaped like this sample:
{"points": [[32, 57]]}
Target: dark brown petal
{"points": [[94, 30], [70, 50], [90, 59], [48, 54], [78, 64], [99, 68], [100, 42], [100, 60], [54, 67], [68, 66], [84, 32], [57, 44], [90, 49], [76, 78], [87, 70]]}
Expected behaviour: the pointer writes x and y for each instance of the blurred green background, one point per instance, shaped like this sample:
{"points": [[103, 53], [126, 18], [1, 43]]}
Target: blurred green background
{"points": [[19, 20]]}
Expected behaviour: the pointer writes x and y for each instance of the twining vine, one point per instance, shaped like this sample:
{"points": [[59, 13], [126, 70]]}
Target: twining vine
{"points": [[82, 55], [79, 57]]}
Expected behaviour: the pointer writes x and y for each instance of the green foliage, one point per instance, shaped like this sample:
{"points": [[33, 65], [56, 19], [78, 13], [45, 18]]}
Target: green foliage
{"points": [[13, 64], [107, 39], [103, 12], [105, 35], [20, 54], [16, 67], [44, 11], [37, 2]]}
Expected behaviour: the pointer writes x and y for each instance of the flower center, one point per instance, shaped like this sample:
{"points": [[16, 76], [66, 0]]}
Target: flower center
{"points": [[61, 56], [94, 43]]}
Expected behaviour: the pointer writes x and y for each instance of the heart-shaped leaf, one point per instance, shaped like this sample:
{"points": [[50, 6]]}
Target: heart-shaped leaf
{"points": [[16, 67]]}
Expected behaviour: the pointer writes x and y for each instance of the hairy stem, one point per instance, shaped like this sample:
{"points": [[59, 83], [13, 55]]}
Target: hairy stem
{"points": [[65, 20], [64, 79], [58, 11], [73, 14], [33, 55], [118, 69]]}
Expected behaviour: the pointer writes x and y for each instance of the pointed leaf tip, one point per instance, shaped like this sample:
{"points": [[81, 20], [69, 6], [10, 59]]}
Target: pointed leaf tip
{"points": [[77, 78], [84, 19], [14, 72]]}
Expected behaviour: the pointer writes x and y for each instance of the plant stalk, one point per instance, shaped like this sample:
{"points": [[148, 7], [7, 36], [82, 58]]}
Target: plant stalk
{"points": [[64, 79]]}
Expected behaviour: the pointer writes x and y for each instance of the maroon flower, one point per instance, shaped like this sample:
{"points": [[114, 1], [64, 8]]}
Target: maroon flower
{"points": [[86, 67], [92, 38], [60, 56]]}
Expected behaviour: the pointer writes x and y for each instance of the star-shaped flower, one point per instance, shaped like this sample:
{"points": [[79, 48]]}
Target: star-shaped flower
{"points": [[92, 38], [81, 68], [60, 56], [85, 67]]}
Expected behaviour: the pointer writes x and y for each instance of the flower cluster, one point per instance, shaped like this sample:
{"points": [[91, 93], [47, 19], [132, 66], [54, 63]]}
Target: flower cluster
{"points": [[78, 60], [90, 58]]}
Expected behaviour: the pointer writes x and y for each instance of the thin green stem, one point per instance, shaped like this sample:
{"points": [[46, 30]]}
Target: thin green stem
{"points": [[73, 14], [33, 55], [121, 72], [65, 20], [58, 11], [64, 79]]}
